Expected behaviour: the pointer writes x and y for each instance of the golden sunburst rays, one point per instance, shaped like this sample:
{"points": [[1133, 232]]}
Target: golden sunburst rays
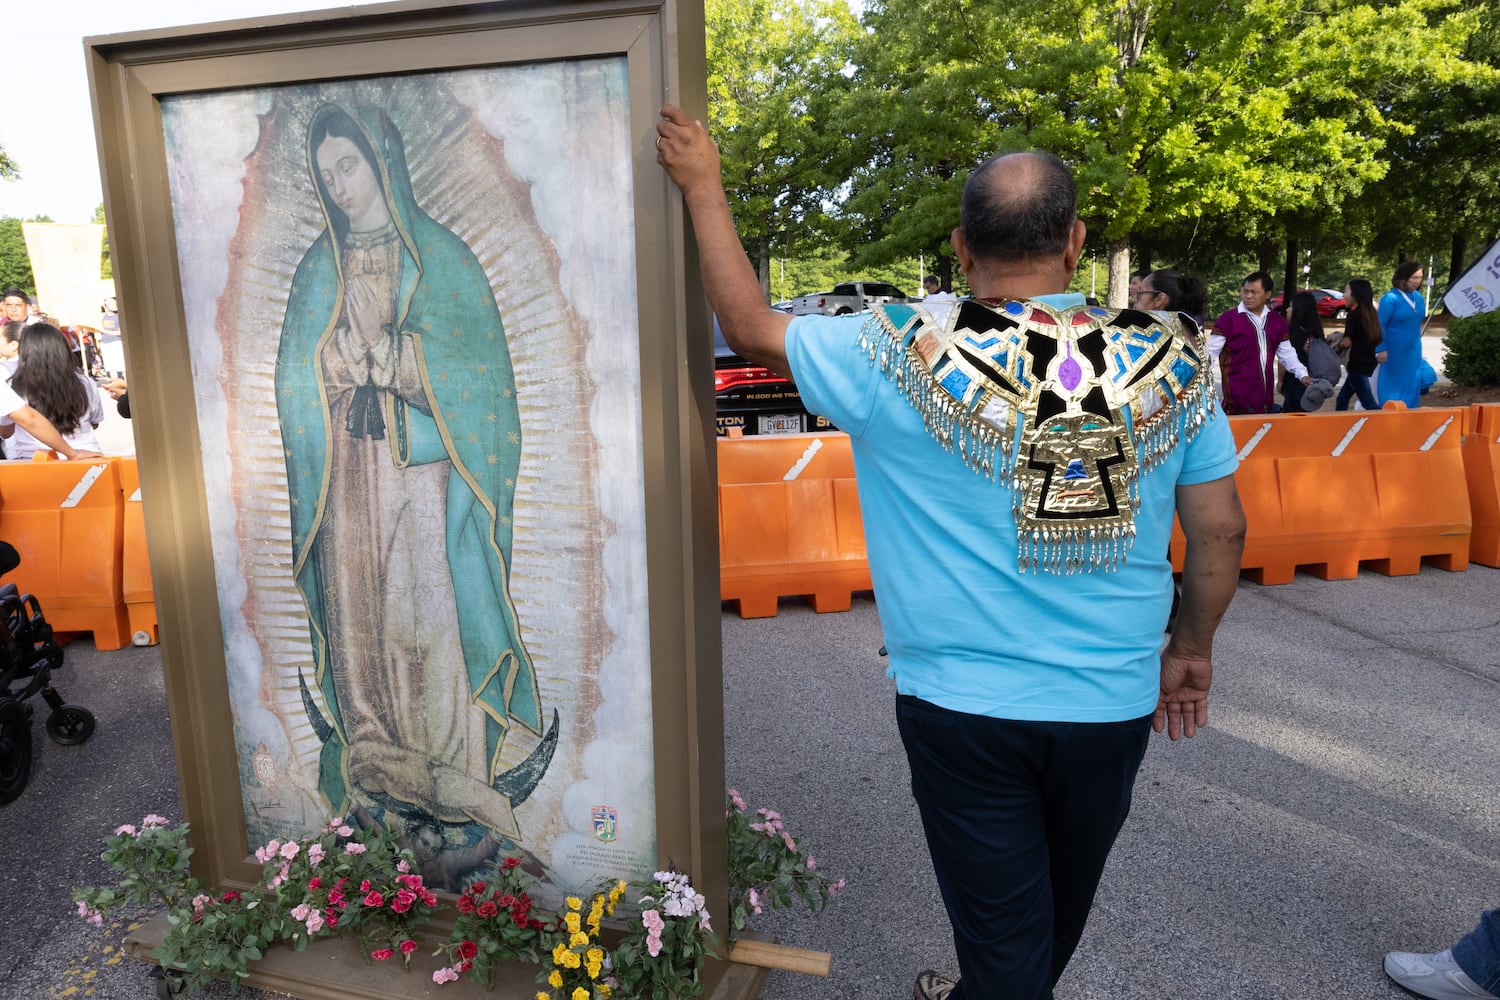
{"points": [[461, 178]]}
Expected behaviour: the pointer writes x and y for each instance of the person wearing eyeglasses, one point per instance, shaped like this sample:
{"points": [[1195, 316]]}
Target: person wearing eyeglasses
{"points": [[1401, 311]]}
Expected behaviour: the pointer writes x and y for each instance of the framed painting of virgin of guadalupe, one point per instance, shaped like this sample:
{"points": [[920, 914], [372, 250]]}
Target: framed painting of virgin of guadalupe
{"points": [[423, 444]]}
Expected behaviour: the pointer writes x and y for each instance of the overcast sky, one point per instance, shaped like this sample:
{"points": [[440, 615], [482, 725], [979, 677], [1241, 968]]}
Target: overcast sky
{"points": [[46, 125]]}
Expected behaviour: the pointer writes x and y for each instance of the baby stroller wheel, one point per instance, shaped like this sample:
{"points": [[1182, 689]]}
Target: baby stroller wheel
{"points": [[70, 724], [15, 749]]}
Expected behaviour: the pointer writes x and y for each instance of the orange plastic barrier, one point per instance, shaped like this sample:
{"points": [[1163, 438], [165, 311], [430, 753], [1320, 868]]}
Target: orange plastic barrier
{"points": [[1328, 492], [135, 565], [1481, 452], [789, 522], [65, 520]]}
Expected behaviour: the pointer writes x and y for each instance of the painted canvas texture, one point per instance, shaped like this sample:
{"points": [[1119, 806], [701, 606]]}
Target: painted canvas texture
{"points": [[411, 313]]}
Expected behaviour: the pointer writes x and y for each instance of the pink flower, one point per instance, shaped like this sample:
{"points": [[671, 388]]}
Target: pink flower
{"points": [[653, 921], [154, 820], [125, 831], [408, 946], [769, 814], [445, 975], [290, 849], [791, 845], [754, 898], [374, 898], [264, 854], [83, 908], [812, 865], [315, 854], [737, 801], [96, 918], [345, 831], [381, 954], [653, 943], [314, 921], [354, 848], [300, 912], [835, 887], [403, 865]]}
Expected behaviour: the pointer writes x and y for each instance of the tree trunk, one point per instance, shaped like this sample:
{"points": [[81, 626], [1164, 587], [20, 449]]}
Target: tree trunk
{"points": [[1265, 256], [1117, 294], [1459, 258], [1289, 279]]}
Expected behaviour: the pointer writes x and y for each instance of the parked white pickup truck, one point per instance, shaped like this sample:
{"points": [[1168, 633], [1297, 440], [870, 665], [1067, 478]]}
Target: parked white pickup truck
{"points": [[850, 297]]}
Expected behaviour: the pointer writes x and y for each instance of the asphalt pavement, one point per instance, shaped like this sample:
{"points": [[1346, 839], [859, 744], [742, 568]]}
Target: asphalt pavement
{"points": [[1341, 803]]}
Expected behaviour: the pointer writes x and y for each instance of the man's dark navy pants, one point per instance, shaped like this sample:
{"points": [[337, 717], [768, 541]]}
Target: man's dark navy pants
{"points": [[1019, 818]]}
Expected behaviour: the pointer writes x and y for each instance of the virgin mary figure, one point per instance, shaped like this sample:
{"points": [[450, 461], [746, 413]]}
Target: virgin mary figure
{"points": [[402, 439]]}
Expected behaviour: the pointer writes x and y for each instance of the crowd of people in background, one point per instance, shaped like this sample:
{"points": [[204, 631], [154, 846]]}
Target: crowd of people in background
{"points": [[47, 397], [1251, 342]]}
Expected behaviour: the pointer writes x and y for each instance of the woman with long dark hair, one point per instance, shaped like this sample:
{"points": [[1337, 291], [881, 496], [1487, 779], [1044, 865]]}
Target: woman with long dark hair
{"points": [[1169, 288], [1362, 336], [51, 384], [1303, 326]]}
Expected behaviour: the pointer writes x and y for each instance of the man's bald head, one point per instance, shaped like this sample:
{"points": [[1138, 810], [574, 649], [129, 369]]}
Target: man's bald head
{"points": [[1019, 206]]}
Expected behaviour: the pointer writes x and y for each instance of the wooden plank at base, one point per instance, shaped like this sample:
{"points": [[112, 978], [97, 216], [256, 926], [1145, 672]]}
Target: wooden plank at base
{"points": [[334, 969], [770, 955]]}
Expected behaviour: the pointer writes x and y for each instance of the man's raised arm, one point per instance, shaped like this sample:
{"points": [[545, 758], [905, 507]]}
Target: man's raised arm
{"points": [[753, 329]]}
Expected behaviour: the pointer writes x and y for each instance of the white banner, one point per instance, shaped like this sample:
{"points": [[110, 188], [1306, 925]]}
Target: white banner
{"points": [[65, 261], [1479, 289]]}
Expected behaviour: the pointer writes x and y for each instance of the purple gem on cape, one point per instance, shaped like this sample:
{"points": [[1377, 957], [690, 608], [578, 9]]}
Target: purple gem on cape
{"points": [[1069, 373]]}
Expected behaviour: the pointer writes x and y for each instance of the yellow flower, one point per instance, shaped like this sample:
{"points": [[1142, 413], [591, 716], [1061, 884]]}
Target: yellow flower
{"points": [[571, 922], [578, 938], [560, 954], [597, 908], [574, 902], [543, 996], [580, 994], [603, 990], [593, 970], [594, 954], [571, 960], [555, 980], [614, 896], [593, 925]]}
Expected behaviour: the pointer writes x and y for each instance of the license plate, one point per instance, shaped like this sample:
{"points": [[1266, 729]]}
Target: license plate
{"points": [[781, 423]]}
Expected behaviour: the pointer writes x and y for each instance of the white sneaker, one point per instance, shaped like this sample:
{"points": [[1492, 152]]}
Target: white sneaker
{"points": [[1437, 977]]}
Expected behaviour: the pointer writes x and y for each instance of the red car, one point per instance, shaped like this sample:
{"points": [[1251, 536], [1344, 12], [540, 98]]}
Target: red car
{"points": [[1330, 303]]}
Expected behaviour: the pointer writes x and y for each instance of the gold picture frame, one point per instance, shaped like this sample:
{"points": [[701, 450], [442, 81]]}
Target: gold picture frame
{"points": [[181, 111]]}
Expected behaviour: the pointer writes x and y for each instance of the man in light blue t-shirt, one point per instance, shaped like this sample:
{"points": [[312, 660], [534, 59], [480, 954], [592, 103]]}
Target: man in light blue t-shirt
{"points": [[1019, 457]]}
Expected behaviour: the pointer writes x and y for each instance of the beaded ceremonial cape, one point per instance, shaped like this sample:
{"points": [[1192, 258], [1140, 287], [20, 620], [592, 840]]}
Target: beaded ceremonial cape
{"points": [[1066, 407]]}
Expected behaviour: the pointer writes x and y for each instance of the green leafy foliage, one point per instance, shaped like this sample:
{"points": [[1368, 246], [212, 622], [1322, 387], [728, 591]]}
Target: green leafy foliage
{"points": [[662, 951], [15, 263], [1471, 351], [776, 75], [767, 869]]}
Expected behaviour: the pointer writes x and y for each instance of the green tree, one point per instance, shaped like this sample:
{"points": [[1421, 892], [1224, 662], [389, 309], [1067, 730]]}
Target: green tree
{"points": [[106, 266], [776, 73], [1171, 114], [9, 169], [15, 264]]}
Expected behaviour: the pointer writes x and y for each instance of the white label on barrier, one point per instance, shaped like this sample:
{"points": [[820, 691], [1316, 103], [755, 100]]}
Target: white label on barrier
{"points": [[1254, 440], [807, 456], [1339, 448], [134, 497], [1436, 436], [81, 490]]}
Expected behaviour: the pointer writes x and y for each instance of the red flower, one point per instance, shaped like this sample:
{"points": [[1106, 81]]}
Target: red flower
{"points": [[509, 863], [488, 908], [364, 886], [535, 925], [231, 896], [466, 966], [428, 898], [506, 900], [381, 954], [468, 950], [332, 919], [465, 904], [408, 946], [374, 899], [315, 883], [478, 888]]}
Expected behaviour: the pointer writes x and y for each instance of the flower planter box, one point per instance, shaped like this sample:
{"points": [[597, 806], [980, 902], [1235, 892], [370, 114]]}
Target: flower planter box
{"points": [[333, 968]]}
